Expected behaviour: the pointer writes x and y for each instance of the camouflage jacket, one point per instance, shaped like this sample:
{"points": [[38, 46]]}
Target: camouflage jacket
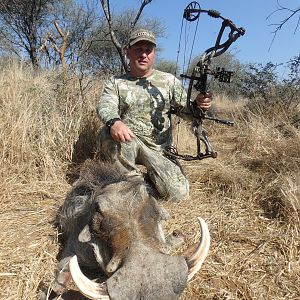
{"points": [[143, 104]]}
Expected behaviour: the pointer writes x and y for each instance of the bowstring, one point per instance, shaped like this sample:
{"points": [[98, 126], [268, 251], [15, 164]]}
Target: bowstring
{"points": [[183, 80], [193, 43], [175, 76], [178, 49]]}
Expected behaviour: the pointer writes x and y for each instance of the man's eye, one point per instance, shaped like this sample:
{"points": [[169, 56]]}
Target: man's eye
{"points": [[138, 50]]}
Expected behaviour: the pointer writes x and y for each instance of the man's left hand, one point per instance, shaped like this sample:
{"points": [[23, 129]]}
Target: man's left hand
{"points": [[203, 101]]}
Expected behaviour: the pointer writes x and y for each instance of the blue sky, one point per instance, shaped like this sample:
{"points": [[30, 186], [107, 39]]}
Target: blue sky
{"points": [[252, 47]]}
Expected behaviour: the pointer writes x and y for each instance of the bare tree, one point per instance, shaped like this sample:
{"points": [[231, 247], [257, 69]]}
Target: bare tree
{"points": [[21, 21], [69, 38], [289, 13], [59, 48]]}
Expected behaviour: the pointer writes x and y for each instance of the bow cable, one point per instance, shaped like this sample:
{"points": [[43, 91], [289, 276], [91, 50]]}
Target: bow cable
{"points": [[184, 67]]}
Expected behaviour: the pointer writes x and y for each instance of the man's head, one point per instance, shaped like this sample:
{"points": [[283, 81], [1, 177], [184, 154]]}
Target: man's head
{"points": [[141, 35], [141, 52]]}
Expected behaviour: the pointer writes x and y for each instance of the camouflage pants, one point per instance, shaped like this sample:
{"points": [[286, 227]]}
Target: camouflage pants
{"points": [[166, 176]]}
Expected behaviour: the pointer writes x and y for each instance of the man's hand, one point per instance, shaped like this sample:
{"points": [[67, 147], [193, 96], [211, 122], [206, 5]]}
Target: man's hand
{"points": [[203, 101], [121, 133]]}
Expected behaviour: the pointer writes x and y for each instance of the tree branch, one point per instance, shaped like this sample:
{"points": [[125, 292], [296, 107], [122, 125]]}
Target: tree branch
{"points": [[144, 3], [106, 9], [279, 26], [292, 13]]}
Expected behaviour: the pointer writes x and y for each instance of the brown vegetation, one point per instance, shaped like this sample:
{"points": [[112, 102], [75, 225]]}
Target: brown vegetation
{"points": [[249, 195]]}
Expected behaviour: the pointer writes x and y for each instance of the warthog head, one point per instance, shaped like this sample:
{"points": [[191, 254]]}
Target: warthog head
{"points": [[112, 222]]}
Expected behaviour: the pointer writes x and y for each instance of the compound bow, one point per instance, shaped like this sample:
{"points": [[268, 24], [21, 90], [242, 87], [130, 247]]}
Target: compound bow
{"points": [[199, 75]]}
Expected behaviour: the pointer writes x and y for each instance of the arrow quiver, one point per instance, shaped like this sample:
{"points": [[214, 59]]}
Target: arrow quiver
{"points": [[198, 80]]}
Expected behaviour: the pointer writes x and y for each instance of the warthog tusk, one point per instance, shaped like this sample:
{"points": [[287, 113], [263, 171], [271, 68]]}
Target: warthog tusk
{"points": [[87, 287], [196, 254]]}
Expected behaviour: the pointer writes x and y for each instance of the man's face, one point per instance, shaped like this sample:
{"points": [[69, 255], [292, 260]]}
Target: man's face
{"points": [[141, 56]]}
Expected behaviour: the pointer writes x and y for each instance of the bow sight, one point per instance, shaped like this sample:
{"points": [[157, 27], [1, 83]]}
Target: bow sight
{"points": [[198, 79]]}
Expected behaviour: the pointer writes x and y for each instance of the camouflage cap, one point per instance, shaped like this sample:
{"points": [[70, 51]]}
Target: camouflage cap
{"points": [[141, 35]]}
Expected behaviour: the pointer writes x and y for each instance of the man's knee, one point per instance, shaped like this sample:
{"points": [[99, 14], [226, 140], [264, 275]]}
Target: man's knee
{"points": [[167, 177], [172, 189], [179, 192]]}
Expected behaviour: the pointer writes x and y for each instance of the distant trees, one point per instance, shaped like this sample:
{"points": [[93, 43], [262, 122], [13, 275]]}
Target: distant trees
{"points": [[86, 37], [292, 82], [168, 66], [67, 39], [70, 33], [21, 25], [259, 79], [262, 83]]}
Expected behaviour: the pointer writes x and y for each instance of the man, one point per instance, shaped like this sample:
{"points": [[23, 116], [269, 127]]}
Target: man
{"points": [[135, 108]]}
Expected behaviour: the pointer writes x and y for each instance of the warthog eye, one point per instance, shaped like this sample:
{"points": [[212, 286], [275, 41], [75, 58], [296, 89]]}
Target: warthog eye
{"points": [[176, 233], [96, 223]]}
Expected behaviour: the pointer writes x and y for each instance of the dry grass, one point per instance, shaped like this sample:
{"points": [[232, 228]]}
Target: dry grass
{"points": [[249, 195]]}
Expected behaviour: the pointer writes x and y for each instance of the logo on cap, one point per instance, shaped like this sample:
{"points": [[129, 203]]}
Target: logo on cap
{"points": [[141, 35]]}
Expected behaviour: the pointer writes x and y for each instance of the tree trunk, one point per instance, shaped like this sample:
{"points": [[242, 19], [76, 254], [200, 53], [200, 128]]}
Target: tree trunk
{"points": [[33, 57]]}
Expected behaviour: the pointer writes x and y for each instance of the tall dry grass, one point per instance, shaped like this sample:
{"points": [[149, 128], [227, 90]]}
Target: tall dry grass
{"points": [[41, 119], [43, 123], [249, 195]]}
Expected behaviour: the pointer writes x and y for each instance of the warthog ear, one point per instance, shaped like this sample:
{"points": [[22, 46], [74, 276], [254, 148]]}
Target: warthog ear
{"points": [[85, 235]]}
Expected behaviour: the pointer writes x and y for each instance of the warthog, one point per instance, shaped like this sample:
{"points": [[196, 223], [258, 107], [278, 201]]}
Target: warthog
{"points": [[113, 224]]}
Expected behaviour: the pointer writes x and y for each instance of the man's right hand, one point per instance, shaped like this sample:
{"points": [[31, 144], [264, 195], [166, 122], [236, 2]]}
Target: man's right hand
{"points": [[121, 133]]}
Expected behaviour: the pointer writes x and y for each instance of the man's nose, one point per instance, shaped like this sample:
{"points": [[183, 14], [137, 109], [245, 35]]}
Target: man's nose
{"points": [[144, 53]]}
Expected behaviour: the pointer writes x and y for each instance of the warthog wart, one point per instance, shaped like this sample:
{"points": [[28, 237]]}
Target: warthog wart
{"points": [[113, 225]]}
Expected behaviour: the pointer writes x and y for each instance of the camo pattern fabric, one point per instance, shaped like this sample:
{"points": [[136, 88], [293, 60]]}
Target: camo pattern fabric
{"points": [[167, 176], [143, 104]]}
